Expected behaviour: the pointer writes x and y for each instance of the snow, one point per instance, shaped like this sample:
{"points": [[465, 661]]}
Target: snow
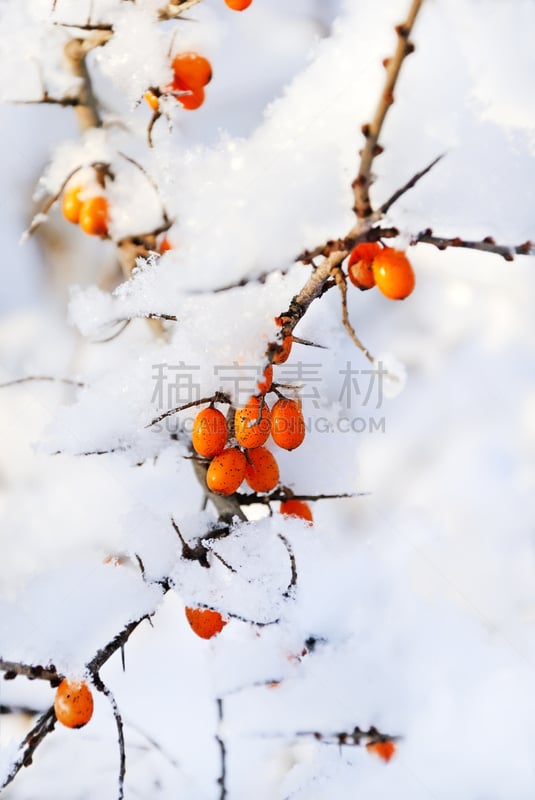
{"points": [[415, 595]]}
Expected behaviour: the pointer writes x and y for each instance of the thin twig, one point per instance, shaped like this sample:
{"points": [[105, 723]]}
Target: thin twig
{"points": [[341, 282], [293, 565], [409, 185], [50, 378], [222, 780], [152, 182], [218, 397], [372, 131], [282, 495], [44, 725], [486, 245]]}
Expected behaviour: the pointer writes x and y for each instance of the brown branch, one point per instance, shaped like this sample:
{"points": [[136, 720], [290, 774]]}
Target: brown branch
{"points": [[372, 131], [281, 495], [486, 245], [31, 671], [76, 51], [44, 725], [356, 737], [347, 243]]}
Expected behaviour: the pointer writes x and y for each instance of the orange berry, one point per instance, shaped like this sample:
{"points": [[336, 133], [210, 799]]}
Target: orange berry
{"points": [[152, 100], [359, 266], [193, 70], [194, 97], [205, 622], [296, 508], [165, 245], [393, 273], [287, 424], [265, 385], [250, 431], [71, 204], [226, 471], [384, 750], [94, 216], [262, 470], [73, 703], [238, 5], [209, 435]]}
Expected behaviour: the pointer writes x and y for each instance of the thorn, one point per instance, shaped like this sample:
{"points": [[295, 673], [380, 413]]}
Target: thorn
{"points": [[377, 150], [402, 31], [366, 129], [489, 240], [409, 48], [508, 257], [386, 62], [389, 97]]}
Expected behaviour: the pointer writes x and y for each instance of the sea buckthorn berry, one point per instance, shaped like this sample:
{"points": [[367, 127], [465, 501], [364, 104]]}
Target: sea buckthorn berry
{"points": [[393, 273], [262, 470], [205, 622], [296, 508], [193, 96], [264, 385], [209, 435], [384, 750], [226, 471], [94, 216], [238, 5], [252, 425], [359, 266], [73, 703], [71, 204], [193, 70], [152, 100], [165, 245], [287, 424]]}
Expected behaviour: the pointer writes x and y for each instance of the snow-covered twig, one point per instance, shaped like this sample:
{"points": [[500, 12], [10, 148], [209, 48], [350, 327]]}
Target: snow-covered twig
{"points": [[32, 671], [44, 725], [222, 780], [101, 687]]}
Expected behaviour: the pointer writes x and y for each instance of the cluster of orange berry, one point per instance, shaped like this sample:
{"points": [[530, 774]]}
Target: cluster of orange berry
{"points": [[92, 214], [390, 270], [254, 423], [191, 73]]}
